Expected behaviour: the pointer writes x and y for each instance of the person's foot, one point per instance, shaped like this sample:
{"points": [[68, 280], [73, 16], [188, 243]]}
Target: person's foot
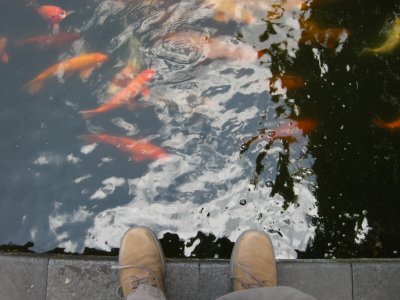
{"points": [[141, 260], [253, 261]]}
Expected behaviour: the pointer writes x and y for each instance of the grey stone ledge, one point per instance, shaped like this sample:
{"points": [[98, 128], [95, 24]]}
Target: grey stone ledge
{"points": [[91, 277]]}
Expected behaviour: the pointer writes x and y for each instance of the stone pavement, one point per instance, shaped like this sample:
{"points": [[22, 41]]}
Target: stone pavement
{"points": [[86, 277]]}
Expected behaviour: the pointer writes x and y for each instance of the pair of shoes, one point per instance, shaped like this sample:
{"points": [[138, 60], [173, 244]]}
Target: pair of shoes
{"points": [[141, 261]]}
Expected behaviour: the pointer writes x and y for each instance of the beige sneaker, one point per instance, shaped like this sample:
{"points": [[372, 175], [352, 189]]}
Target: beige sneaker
{"points": [[141, 260], [253, 261]]}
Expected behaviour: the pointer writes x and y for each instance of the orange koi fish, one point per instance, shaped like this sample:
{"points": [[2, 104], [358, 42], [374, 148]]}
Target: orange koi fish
{"points": [[288, 131], [139, 150], [84, 63], [290, 82], [125, 96], [327, 37], [49, 41], [3, 54], [388, 125], [54, 15]]}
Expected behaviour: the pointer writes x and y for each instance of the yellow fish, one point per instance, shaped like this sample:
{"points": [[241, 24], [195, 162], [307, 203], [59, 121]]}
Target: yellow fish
{"points": [[392, 40]]}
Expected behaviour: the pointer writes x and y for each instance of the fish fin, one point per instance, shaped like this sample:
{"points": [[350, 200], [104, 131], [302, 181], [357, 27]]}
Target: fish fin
{"points": [[87, 114], [85, 74], [33, 86], [5, 58], [146, 93], [379, 123], [55, 29]]}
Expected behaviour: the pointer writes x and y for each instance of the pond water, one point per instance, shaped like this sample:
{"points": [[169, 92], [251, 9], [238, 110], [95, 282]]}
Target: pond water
{"points": [[254, 114]]}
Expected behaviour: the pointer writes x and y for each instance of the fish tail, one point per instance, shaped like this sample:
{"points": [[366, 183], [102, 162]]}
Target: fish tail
{"points": [[87, 114], [33, 86], [379, 123]]}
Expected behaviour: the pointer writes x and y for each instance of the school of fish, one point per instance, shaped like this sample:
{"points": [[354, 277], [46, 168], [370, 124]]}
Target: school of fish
{"points": [[130, 83]]}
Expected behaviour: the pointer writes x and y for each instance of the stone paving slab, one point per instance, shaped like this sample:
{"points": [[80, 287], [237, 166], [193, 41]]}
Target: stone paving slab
{"points": [[22, 277], [321, 279], [214, 279], [376, 280], [81, 279]]}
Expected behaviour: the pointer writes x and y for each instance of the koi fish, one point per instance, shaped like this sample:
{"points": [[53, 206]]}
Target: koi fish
{"points": [[287, 131], [3, 54], [228, 10], [54, 15], [125, 96], [327, 37], [84, 64], [388, 125], [139, 150], [49, 41], [215, 47], [391, 42], [290, 82]]}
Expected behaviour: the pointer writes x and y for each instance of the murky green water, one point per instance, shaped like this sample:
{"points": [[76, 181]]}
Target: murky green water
{"points": [[298, 157]]}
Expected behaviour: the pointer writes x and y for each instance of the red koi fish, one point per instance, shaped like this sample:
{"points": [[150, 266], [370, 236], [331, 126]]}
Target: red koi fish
{"points": [[139, 150], [125, 96], [290, 82], [388, 125], [49, 41], [54, 15], [84, 63], [291, 129], [3, 54], [288, 131]]}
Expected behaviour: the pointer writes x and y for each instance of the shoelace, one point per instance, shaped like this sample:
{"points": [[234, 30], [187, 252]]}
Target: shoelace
{"points": [[152, 279], [253, 282]]}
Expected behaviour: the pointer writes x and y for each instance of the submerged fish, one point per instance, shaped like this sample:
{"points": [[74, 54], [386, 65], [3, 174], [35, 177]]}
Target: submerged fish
{"points": [[49, 41], [316, 35], [391, 42], [388, 125], [126, 96], [139, 150], [3, 54], [84, 64], [288, 131], [54, 15], [228, 10], [213, 47], [290, 82]]}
